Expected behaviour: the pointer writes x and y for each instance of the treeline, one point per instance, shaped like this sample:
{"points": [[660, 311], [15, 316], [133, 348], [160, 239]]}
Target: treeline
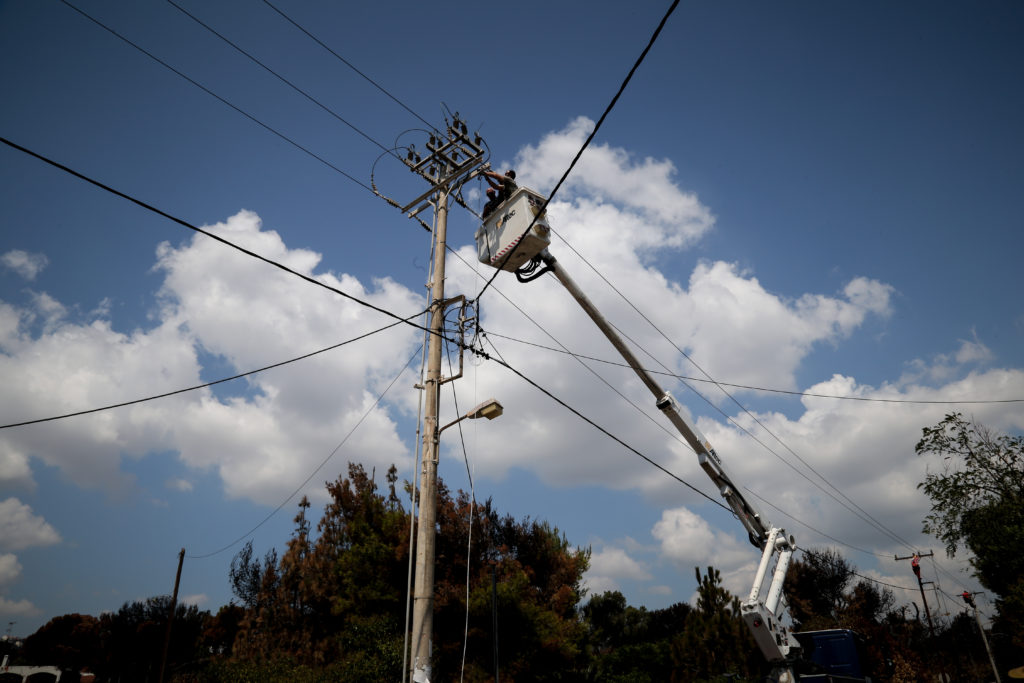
{"points": [[511, 606]]}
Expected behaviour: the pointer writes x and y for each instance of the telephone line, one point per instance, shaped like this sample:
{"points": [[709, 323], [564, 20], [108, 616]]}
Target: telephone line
{"points": [[601, 429], [756, 388], [212, 236], [221, 99], [348, 64], [863, 514], [318, 467], [279, 76], [593, 133], [207, 384]]}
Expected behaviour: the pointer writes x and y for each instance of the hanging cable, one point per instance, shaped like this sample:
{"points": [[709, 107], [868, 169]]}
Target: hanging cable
{"points": [[586, 143], [673, 375], [313, 473], [348, 64], [277, 75], [207, 384], [218, 97], [212, 236]]}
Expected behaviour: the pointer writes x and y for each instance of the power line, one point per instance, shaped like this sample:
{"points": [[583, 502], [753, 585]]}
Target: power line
{"points": [[279, 76], [211, 235], [861, 512], [756, 388], [207, 384], [348, 64], [601, 429], [590, 137], [808, 526], [218, 97], [318, 467]]}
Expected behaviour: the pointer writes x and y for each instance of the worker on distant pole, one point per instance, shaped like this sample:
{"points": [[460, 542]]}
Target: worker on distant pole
{"points": [[969, 599], [915, 564]]}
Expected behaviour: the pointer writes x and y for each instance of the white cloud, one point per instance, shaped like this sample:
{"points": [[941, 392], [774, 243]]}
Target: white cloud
{"points": [[689, 541], [610, 564], [23, 263], [21, 608], [610, 175], [177, 484], [244, 312], [20, 529], [10, 568], [199, 599]]}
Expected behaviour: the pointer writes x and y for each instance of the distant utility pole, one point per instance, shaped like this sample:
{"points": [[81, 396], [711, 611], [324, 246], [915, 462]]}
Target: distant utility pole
{"points": [[450, 160], [969, 599], [170, 616], [914, 560]]}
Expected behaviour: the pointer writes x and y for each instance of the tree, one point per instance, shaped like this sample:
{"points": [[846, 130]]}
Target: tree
{"points": [[70, 641], [716, 641], [978, 503], [626, 643]]}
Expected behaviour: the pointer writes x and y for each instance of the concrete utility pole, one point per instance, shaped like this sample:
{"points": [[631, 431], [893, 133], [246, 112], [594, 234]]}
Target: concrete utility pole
{"points": [[451, 160]]}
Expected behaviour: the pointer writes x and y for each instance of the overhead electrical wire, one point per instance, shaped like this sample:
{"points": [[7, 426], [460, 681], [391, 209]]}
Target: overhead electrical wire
{"points": [[860, 512], [756, 388], [212, 236], [600, 428], [221, 99], [593, 133], [204, 385], [349, 64], [279, 76], [319, 467]]}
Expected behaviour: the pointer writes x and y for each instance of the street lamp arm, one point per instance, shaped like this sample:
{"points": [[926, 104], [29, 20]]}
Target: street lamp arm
{"points": [[489, 409]]}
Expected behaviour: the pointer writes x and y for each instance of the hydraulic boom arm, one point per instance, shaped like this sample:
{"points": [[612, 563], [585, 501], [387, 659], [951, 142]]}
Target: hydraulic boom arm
{"points": [[761, 615]]}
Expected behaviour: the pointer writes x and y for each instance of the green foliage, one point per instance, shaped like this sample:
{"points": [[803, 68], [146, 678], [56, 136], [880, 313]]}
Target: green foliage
{"points": [[715, 641], [978, 502], [69, 641], [626, 643]]}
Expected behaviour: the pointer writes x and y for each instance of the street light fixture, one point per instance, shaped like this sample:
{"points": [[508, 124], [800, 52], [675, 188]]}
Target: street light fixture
{"points": [[489, 409]]}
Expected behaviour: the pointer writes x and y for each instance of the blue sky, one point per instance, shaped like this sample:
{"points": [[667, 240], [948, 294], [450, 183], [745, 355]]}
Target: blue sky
{"points": [[803, 196]]}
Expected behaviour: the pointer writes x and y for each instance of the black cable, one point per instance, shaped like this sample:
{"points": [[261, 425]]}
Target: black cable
{"points": [[318, 467], [755, 388], [203, 386], [188, 225], [601, 429], [215, 95], [808, 526], [279, 76], [590, 137], [348, 64], [861, 513]]}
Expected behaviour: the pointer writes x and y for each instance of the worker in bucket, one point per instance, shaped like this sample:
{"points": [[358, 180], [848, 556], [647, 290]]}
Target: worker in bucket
{"points": [[493, 200], [504, 185]]}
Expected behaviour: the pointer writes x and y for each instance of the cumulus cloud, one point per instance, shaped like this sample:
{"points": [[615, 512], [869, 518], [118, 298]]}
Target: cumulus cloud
{"points": [[20, 528], [19, 608], [723, 316], [23, 263], [214, 301], [609, 565], [607, 175], [10, 568], [199, 599]]}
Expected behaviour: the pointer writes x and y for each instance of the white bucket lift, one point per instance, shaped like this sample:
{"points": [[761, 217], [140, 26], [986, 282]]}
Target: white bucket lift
{"points": [[502, 232]]}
